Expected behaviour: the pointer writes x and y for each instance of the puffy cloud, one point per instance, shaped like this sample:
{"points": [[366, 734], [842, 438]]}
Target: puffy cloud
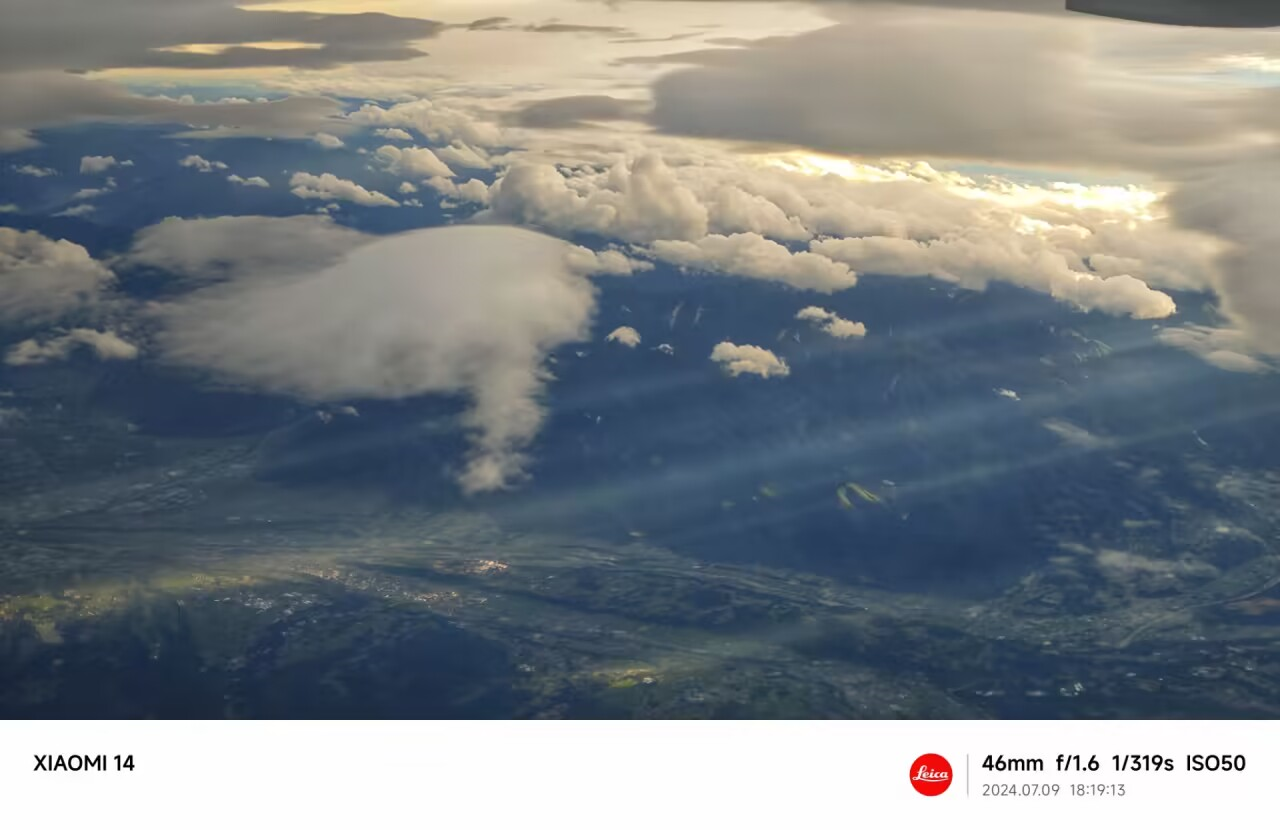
{"points": [[328, 141], [793, 197], [733, 209], [106, 345], [1096, 247], [637, 201], [93, 192], [609, 262], [413, 161], [751, 255], [393, 134], [252, 181], [201, 164], [466, 310], [749, 360], [43, 279], [472, 191], [101, 164], [439, 123], [329, 186], [972, 260], [462, 155], [832, 323], [407, 187], [1115, 295], [1223, 347], [33, 170], [225, 247], [625, 335]]}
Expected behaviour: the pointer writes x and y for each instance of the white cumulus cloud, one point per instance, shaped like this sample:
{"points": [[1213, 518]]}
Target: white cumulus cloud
{"points": [[43, 279], [34, 170], [252, 181], [752, 255], [419, 162], [439, 123], [202, 164], [832, 323], [328, 141], [609, 262], [749, 360], [472, 191], [625, 335], [973, 261], [101, 164], [636, 201], [464, 310], [393, 134], [463, 155], [329, 186], [106, 345]]}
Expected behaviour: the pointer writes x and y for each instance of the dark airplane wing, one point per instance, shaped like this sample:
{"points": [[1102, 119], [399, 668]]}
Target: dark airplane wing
{"points": [[1222, 13]]}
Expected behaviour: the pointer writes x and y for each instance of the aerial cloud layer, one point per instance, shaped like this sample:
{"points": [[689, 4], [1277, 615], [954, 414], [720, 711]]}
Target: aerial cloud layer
{"points": [[782, 219], [1007, 88]]}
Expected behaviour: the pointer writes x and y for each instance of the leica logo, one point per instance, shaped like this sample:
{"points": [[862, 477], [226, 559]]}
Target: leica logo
{"points": [[926, 774], [931, 774]]}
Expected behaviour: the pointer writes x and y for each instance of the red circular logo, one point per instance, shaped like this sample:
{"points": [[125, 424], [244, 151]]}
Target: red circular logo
{"points": [[930, 774]]}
